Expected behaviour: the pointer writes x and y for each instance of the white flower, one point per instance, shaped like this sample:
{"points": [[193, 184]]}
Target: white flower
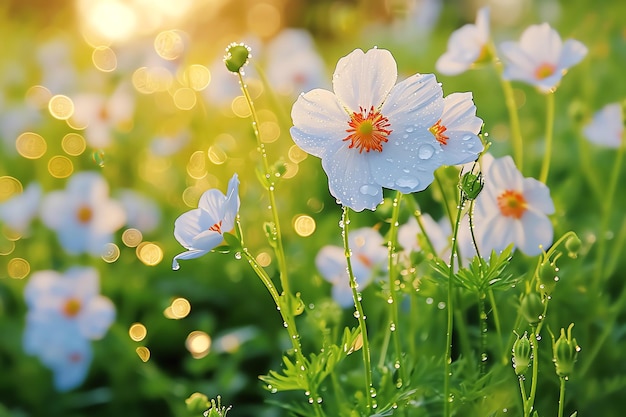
{"points": [[101, 116], [65, 311], [410, 233], [369, 254], [371, 133], [201, 230], [466, 46], [512, 209], [540, 58], [142, 213], [607, 126], [457, 130], [293, 64], [18, 212], [83, 215]]}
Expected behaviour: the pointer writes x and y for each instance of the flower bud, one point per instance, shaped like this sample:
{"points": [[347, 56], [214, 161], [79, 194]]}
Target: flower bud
{"points": [[237, 56], [573, 245], [197, 403], [471, 185], [565, 353], [532, 308], [521, 354], [547, 277]]}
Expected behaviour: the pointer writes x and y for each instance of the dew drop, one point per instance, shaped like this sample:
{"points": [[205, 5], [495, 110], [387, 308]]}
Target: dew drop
{"points": [[237, 255], [407, 181], [409, 129], [392, 327], [357, 314], [369, 189], [425, 151]]}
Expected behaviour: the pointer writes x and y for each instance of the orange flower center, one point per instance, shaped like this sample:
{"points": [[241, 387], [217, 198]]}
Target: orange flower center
{"points": [[438, 130], [84, 214], [512, 204], [366, 261], [368, 130], [544, 71], [71, 307], [217, 227]]}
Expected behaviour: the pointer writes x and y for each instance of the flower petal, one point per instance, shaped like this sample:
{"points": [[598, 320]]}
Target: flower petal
{"points": [[573, 52], [211, 202], [537, 195], [231, 206], [459, 113], [538, 233], [319, 122], [187, 226], [96, 318], [330, 261], [364, 79], [190, 254], [207, 240], [497, 233], [462, 147]]}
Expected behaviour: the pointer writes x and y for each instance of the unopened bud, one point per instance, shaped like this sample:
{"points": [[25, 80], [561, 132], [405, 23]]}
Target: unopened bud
{"points": [[547, 277], [197, 403], [565, 353], [532, 308], [237, 56], [471, 185], [573, 245], [521, 354]]}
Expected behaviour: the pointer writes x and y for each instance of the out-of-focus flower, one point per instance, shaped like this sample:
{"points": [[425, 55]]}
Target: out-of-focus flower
{"points": [[540, 58], [457, 130], [83, 215], [65, 311], [369, 255], [15, 119], [512, 209], [18, 212], [102, 115], [169, 145], [58, 73], [438, 234], [466, 46], [607, 126], [371, 132], [293, 64], [141, 212], [201, 230]]}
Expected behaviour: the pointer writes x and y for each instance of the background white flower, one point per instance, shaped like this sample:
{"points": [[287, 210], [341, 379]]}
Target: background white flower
{"points": [[201, 230], [371, 132], [607, 126], [438, 234], [512, 209], [18, 212], [540, 58], [83, 215], [466, 46], [369, 254], [142, 212]]}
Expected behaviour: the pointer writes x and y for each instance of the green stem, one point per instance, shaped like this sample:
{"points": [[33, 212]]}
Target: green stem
{"points": [[496, 321], [522, 389], [606, 217], [448, 356], [446, 203], [277, 235], [511, 106], [393, 298], [545, 166], [482, 317], [360, 315], [528, 407], [561, 396], [590, 173]]}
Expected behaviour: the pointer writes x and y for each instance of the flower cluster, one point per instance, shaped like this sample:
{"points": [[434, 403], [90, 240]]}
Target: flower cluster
{"points": [[65, 312]]}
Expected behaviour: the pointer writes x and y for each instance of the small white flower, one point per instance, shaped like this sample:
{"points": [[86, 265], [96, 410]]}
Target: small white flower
{"points": [[607, 126], [368, 255], [512, 209], [371, 132], [540, 58], [457, 130], [65, 311], [466, 46], [142, 213], [18, 212], [438, 234], [83, 215], [201, 230]]}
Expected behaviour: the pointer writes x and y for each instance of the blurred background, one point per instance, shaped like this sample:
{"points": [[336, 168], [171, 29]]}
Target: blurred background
{"points": [[136, 91]]}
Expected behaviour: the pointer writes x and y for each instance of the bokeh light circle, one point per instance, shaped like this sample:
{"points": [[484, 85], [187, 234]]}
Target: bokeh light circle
{"points": [[110, 253], [104, 59], [9, 186], [137, 332], [61, 107], [73, 144], [149, 253], [143, 353], [60, 166], [18, 268], [180, 308], [132, 237], [169, 45], [304, 225], [31, 145], [198, 343]]}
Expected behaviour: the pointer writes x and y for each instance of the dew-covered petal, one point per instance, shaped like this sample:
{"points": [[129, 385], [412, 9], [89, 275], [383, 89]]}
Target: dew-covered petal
{"points": [[190, 254], [350, 180], [537, 233], [462, 147], [414, 103], [319, 122], [364, 79], [459, 113], [537, 195], [496, 233]]}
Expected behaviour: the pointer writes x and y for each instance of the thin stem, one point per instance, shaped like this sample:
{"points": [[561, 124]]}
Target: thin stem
{"points": [[561, 396], [522, 389], [496, 320], [360, 315], [545, 166], [448, 356], [528, 407], [442, 190], [393, 298], [277, 235], [608, 206], [482, 317], [511, 106]]}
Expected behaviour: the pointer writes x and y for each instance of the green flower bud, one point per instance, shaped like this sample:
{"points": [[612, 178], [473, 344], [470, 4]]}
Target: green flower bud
{"points": [[565, 353], [547, 277], [471, 185], [532, 308], [237, 56], [197, 403], [521, 354], [573, 245]]}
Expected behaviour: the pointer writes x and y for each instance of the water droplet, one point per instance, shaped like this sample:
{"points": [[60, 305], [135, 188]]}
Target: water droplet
{"points": [[407, 181], [390, 300], [369, 189], [392, 327], [466, 137], [425, 151], [357, 314], [409, 129], [285, 324], [237, 255], [372, 392], [397, 365]]}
